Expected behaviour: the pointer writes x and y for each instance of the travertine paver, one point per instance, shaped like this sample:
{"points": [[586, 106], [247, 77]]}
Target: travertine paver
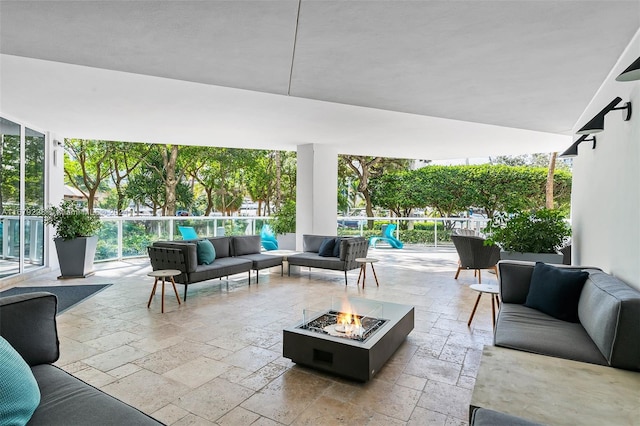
{"points": [[217, 359]]}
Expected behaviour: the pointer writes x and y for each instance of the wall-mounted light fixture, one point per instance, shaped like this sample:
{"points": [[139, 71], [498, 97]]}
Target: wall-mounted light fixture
{"points": [[596, 124], [632, 73], [572, 151]]}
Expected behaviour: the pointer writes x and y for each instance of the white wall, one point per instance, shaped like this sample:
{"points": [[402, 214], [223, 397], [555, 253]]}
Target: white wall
{"points": [[606, 182], [54, 191], [316, 198]]}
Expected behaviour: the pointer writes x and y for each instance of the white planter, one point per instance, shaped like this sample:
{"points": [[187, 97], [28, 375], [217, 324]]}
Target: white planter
{"points": [[532, 257], [286, 241]]}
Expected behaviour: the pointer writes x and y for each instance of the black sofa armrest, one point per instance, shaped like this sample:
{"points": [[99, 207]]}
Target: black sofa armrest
{"points": [[352, 249], [28, 323]]}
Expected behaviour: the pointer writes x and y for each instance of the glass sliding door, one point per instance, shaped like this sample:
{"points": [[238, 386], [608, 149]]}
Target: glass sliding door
{"points": [[22, 174]]}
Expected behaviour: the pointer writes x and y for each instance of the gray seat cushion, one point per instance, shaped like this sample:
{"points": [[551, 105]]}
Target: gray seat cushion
{"points": [[66, 400], [261, 261], [313, 260], [526, 329], [220, 268]]}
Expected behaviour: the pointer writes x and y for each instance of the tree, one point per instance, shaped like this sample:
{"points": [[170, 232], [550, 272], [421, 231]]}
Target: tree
{"points": [[86, 166], [123, 161], [397, 192], [445, 189], [364, 168]]}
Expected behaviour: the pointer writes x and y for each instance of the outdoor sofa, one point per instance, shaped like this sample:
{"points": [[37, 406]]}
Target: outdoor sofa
{"points": [[606, 331], [343, 257], [233, 255], [28, 323]]}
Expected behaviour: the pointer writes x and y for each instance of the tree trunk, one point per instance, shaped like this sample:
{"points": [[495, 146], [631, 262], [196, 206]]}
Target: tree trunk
{"points": [[171, 180], [550, 173]]}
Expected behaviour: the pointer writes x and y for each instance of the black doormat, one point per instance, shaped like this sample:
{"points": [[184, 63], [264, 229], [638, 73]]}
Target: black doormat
{"points": [[68, 295]]}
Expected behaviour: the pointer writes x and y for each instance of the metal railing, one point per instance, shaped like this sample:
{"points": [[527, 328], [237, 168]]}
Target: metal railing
{"points": [[125, 237]]}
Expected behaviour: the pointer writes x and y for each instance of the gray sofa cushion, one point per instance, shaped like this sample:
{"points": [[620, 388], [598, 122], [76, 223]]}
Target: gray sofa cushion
{"points": [[220, 268], [526, 329], [28, 323], [261, 261], [311, 243], [66, 400], [248, 244], [610, 313], [222, 246], [314, 260]]}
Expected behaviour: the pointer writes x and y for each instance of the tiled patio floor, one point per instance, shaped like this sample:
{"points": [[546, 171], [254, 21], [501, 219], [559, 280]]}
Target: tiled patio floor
{"points": [[217, 359]]}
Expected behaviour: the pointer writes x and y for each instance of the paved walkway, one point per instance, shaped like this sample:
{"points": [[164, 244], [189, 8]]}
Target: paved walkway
{"points": [[217, 359]]}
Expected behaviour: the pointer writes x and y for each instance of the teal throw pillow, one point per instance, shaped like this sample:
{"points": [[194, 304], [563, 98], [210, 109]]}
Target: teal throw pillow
{"points": [[326, 248], [19, 392], [206, 252], [556, 291], [336, 247], [188, 233]]}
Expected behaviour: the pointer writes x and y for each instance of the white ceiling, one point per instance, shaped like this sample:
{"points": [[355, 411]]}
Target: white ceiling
{"points": [[418, 79]]}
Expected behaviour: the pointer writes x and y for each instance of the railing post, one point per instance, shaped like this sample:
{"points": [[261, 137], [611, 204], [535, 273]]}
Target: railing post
{"points": [[435, 233], [120, 235]]}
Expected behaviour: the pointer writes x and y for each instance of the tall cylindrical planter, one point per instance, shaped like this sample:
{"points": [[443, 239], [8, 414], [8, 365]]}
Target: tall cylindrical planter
{"points": [[76, 256]]}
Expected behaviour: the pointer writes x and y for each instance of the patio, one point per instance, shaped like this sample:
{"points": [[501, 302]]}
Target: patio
{"points": [[217, 359]]}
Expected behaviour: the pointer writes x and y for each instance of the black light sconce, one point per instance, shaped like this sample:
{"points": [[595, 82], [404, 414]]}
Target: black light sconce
{"points": [[596, 124], [632, 73], [572, 151]]}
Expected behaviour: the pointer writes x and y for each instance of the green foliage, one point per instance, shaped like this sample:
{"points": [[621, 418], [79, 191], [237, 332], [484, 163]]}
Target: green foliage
{"points": [[285, 218], [537, 231], [70, 221]]}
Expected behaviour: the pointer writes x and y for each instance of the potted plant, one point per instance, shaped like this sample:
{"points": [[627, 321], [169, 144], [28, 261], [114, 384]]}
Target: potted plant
{"points": [[532, 235], [75, 238], [284, 226]]}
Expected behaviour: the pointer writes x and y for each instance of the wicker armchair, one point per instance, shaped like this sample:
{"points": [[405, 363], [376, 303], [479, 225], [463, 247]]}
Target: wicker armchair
{"points": [[474, 254]]}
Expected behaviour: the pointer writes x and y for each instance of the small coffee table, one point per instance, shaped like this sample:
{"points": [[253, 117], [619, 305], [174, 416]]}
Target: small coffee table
{"points": [[163, 274], [493, 291], [363, 269]]}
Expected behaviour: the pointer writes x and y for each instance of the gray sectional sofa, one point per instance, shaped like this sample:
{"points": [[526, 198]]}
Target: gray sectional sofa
{"points": [[351, 248], [608, 331], [28, 323], [234, 255]]}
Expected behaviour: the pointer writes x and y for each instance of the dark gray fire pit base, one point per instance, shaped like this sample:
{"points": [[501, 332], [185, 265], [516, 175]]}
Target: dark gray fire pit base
{"points": [[349, 358]]}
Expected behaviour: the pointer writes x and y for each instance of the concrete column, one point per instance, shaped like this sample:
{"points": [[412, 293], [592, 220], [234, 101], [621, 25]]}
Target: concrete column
{"points": [[316, 193]]}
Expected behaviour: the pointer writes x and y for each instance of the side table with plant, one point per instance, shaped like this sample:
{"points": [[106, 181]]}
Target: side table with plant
{"points": [[75, 238]]}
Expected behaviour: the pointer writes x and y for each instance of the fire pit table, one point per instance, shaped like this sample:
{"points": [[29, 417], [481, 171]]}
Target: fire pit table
{"points": [[352, 338]]}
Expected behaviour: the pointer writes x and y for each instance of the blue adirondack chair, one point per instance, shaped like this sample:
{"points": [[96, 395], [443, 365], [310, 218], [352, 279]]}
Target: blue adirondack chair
{"points": [[387, 237]]}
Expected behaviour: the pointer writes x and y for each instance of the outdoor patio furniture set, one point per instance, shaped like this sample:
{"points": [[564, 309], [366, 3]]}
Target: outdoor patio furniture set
{"points": [[239, 254]]}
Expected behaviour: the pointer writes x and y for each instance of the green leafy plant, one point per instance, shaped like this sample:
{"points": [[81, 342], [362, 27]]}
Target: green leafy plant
{"points": [[70, 221], [538, 231], [285, 218]]}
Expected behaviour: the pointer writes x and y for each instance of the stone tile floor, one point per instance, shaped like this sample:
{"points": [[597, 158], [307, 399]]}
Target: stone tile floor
{"points": [[217, 359]]}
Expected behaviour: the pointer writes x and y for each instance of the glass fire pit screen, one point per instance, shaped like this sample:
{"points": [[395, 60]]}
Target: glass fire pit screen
{"points": [[355, 319]]}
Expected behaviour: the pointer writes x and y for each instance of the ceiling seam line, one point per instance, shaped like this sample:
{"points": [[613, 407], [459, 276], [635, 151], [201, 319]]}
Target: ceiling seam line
{"points": [[293, 53]]}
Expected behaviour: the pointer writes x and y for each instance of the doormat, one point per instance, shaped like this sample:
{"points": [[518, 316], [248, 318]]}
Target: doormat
{"points": [[68, 295]]}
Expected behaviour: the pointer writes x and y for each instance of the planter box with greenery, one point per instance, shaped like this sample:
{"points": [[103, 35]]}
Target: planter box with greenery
{"points": [[284, 226], [75, 238], [533, 236]]}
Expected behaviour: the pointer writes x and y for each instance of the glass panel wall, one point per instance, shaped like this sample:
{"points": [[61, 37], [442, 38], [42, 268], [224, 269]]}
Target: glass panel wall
{"points": [[22, 174]]}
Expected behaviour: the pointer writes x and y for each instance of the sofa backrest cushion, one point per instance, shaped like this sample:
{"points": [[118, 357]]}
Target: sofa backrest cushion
{"points": [[336, 247], [206, 252], [18, 387], [246, 244], [555, 291], [311, 243], [609, 311], [222, 246]]}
